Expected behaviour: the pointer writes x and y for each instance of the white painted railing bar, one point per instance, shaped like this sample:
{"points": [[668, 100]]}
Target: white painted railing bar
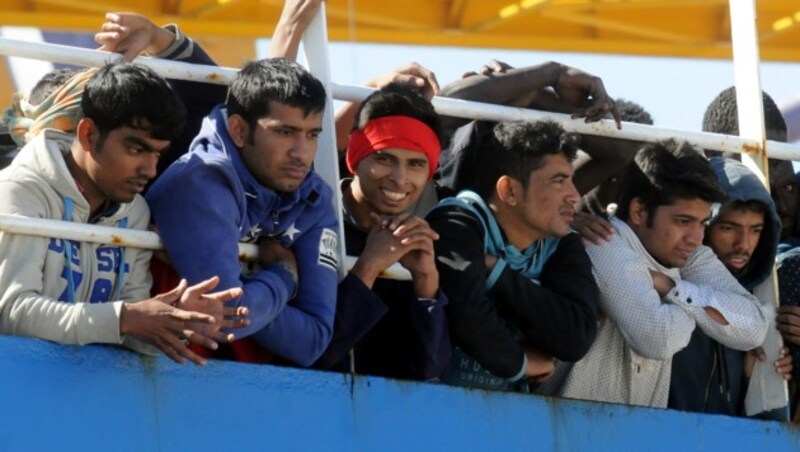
{"points": [[445, 106], [81, 232]]}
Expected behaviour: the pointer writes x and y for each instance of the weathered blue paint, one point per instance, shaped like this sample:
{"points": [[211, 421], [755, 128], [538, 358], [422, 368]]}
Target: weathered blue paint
{"points": [[100, 398]]}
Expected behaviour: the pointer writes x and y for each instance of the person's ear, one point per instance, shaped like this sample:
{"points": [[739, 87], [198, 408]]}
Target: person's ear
{"points": [[238, 129], [637, 212], [86, 133], [508, 190]]}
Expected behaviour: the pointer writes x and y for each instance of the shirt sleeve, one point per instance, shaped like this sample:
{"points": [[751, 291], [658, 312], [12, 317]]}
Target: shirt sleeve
{"points": [[430, 349], [475, 324], [197, 217], [29, 304], [358, 309], [303, 329], [558, 316], [707, 283], [654, 329]]}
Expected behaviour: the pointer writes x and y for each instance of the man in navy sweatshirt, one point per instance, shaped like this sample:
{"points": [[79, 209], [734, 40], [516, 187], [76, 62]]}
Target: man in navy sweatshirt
{"points": [[247, 177]]}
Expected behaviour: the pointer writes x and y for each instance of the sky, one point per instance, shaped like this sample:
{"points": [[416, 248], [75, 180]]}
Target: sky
{"points": [[675, 91]]}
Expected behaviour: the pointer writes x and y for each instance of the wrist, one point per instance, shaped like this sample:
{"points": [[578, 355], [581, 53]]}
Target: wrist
{"points": [[124, 319], [162, 39], [292, 272], [426, 285], [362, 271]]}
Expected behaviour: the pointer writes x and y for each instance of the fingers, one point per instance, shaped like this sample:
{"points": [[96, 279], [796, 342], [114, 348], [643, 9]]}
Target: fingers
{"points": [[593, 228], [173, 295], [235, 317], [202, 287], [788, 325], [191, 316], [414, 226], [201, 339], [176, 350], [226, 295], [759, 353], [419, 77]]}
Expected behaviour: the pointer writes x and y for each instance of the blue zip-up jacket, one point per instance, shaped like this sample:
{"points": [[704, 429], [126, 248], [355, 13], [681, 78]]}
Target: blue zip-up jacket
{"points": [[707, 377], [207, 201]]}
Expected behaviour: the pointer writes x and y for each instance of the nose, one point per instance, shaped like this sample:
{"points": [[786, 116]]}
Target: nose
{"points": [[398, 174], [695, 235], [303, 149], [149, 165], [745, 241], [572, 195]]}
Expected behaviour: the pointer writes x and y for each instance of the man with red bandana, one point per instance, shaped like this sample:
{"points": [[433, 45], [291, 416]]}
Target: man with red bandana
{"points": [[395, 328], [520, 284]]}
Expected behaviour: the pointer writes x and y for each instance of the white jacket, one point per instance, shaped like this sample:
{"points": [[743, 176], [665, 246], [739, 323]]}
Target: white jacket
{"points": [[631, 359], [32, 272]]}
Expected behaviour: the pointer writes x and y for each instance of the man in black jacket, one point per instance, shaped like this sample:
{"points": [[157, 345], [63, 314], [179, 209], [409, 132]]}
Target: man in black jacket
{"points": [[520, 284]]}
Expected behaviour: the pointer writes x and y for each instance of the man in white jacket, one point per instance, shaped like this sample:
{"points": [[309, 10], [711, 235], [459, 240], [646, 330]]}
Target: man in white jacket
{"points": [[79, 292], [658, 282]]}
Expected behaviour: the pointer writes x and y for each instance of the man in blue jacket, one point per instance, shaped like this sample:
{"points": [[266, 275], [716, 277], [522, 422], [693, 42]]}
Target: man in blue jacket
{"points": [[248, 177]]}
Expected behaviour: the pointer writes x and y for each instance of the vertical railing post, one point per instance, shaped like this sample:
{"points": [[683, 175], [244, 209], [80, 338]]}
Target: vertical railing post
{"points": [[326, 162], [767, 391]]}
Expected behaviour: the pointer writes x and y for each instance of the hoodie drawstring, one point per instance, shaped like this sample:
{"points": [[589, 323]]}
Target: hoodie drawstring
{"points": [[119, 281], [68, 254]]}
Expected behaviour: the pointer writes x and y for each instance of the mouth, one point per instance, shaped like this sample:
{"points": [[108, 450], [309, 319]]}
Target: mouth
{"points": [[685, 253], [394, 196], [296, 172], [737, 261], [137, 185]]}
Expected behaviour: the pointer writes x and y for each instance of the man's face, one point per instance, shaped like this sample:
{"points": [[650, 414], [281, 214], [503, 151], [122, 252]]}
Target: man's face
{"points": [[124, 162], [390, 180], [548, 205], [734, 237], [281, 148], [676, 232], [784, 193]]}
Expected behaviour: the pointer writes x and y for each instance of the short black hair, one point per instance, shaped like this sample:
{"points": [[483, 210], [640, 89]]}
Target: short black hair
{"points": [[517, 148], [48, 84], [630, 111], [132, 95], [721, 116], [664, 172], [273, 79], [396, 99]]}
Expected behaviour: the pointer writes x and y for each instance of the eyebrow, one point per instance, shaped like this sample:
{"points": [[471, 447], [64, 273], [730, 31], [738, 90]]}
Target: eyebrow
{"points": [[685, 216], [144, 144]]}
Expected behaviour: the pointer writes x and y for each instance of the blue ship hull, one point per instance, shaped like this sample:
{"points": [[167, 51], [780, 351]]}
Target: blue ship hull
{"points": [[58, 397]]}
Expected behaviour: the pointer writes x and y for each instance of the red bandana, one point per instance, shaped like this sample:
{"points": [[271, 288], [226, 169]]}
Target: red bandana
{"points": [[401, 132]]}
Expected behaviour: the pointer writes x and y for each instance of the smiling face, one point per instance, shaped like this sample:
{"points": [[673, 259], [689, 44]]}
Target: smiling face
{"points": [[390, 181], [676, 230], [734, 236], [280, 147]]}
